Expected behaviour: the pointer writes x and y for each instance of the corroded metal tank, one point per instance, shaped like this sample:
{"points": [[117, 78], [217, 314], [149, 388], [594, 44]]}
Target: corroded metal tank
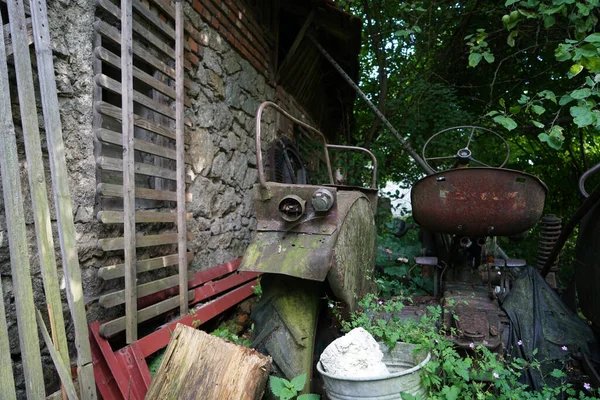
{"points": [[478, 202]]}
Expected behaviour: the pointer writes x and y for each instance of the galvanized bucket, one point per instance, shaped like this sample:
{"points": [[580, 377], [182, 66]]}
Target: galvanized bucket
{"points": [[405, 377]]}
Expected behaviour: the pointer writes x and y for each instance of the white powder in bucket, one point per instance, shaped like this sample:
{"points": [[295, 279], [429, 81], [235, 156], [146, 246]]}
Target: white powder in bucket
{"points": [[355, 355]]}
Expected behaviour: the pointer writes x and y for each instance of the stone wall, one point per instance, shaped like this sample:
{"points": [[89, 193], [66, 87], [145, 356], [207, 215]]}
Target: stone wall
{"points": [[228, 82]]}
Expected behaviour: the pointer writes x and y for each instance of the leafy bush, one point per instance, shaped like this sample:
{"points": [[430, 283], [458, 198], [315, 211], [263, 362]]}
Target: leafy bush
{"points": [[287, 390]]}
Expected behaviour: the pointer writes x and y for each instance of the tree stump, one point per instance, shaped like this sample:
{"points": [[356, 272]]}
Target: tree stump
{"points": [[197, 365]]}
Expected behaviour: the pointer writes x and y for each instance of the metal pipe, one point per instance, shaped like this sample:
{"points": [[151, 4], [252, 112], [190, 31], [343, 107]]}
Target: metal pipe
{"points": [[584, 177], [428, 170], [355, 148], [259, 163]]}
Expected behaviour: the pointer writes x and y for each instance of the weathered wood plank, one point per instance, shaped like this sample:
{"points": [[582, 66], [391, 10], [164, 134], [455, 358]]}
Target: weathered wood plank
{"points": [[13, 202], [115, 112], [118, 243], [7, 380], [180, 148], [144, 33], [236, 372], [150, 264], [200, 293], [62, 368], [64, 214], [116, 217], [116, 298], [110, 190], [115, 164], [8, 39], [114, 86], [115, 61], [128, 242], [112, 137]]}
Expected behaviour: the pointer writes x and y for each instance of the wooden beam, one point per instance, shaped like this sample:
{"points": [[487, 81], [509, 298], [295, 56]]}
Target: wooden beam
{"points": [[150, 264], [109, 110], [116, 298], [62, 368], [119, 243], [115, 138], [115, 164], [13, 198], [128, 242], [8, 39], [110, 190], [64, 214], [180, 148], [116, 217], [290, 54], [7, 380], [115, 61]]}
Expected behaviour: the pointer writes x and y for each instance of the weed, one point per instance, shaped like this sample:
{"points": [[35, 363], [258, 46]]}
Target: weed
{"points": [[287, 390]]}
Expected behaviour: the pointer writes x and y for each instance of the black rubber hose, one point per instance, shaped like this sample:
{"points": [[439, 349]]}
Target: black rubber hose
{"points": [[583, 209]]}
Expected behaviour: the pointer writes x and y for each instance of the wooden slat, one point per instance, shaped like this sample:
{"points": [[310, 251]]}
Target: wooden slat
{"points": [[8, 40], [13, 200], [180, 148], [139, 50], [115, 61], [114, 86], [129, 241], [112, 137], [116, 217], [116, 298], [110, 190], [117, 325], [144, 33], [115, 164], [63, 369], [118, 243], [7, 380], [64, 214], [115, 112], [150, 264]]}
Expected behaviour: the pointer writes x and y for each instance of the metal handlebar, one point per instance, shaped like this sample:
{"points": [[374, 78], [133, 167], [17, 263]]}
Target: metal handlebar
{"points": [[584, 178], [259, 159]]}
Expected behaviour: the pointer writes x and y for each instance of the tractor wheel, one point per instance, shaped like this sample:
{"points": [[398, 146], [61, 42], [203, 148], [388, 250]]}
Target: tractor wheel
{"points": [[285, 321]]}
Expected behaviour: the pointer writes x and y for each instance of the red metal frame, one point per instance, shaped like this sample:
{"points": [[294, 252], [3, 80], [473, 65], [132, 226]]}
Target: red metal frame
{"points": [[124, 374]]}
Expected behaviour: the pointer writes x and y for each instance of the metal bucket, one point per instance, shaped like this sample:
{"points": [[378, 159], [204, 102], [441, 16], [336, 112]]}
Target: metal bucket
{"points": [[405, 377]]}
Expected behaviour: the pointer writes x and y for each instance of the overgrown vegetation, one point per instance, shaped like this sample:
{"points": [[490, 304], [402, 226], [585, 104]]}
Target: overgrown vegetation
{"points": [[477, 374], [287, 390]]}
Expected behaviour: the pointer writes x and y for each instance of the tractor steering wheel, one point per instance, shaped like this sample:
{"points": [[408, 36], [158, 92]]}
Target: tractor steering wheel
{"points": [[464, 155]]}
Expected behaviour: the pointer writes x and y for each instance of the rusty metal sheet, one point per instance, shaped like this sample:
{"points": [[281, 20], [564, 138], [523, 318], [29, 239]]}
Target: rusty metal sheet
{"points": [[269, 219], [478, 202], [300, 255]]}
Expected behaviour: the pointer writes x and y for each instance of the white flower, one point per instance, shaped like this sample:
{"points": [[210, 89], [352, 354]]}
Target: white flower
{"points": [[471, 345], [496, 375], [520, 342], [587, 386], [564, 348]]}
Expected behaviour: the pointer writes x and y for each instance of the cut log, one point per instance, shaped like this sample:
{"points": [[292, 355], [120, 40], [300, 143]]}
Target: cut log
{"points": [[201, 366]]}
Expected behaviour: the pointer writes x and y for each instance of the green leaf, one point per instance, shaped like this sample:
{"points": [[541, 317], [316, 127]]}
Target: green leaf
{"points": [[543, 137], [549, 95], [492, 113], [489, 57], [515, 110], [309, 396], [539, 110], [538, 124], [582, 116], [506, 122], [549, 21], [451, 392], [511, 38], [581, 93], [527, 13], [475, 59], [502, 103], [593, 38], [277, 385], [299, 382], [574, 70], [287, 394], [510, 2], [557, 373], [566, 99]]}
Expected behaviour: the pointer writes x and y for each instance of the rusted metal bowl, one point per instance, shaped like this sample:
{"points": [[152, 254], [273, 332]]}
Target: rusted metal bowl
{"points": [[478, 202]]}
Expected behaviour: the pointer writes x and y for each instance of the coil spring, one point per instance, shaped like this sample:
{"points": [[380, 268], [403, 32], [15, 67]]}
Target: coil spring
{"points": [[550, 227]]}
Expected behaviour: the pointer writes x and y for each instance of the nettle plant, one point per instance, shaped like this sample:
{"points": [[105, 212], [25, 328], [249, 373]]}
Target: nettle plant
{"points": [[480, 374], [286, 390]]}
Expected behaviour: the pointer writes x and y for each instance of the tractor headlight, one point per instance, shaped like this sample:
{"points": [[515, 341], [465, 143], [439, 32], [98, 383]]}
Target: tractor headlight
{"points": [[322, 200], [291, 208]]}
